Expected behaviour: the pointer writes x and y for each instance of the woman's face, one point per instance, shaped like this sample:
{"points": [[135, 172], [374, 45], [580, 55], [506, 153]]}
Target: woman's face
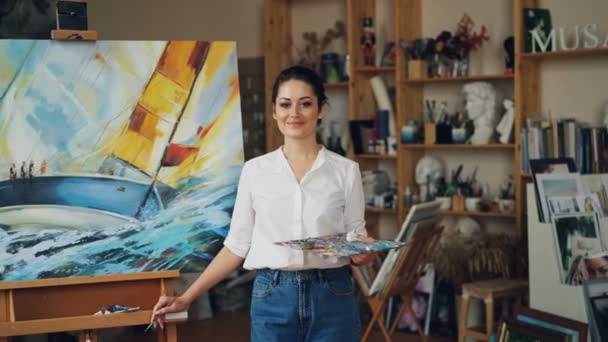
{"points": [[296, 110]]}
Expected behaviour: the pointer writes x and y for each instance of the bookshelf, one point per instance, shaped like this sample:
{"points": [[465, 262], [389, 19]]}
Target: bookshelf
{"points": [[460, 79], [412, 91], [531, 84], [407, 23]]}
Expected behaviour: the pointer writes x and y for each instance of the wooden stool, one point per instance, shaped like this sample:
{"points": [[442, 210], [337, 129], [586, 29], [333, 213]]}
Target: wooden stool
{"points": [[488, 291]]}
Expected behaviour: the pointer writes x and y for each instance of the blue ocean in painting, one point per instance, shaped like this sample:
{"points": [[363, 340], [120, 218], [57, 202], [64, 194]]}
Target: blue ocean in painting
{"points": [[185, 235]]}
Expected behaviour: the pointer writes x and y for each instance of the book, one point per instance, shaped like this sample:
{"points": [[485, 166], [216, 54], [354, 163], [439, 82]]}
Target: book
{"points": [[344, 244]]}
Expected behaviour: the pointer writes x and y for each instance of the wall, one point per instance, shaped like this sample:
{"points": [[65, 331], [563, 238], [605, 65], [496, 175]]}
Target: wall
{"points": [[238, 20]]}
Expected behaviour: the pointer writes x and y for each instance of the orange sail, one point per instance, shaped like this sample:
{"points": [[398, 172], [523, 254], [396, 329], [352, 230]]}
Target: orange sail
{"points": [[160, 107], [178, 153]]}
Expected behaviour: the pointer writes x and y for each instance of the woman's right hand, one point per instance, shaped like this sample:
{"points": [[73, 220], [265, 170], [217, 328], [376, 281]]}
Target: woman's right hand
{"points": [[165, 305]]}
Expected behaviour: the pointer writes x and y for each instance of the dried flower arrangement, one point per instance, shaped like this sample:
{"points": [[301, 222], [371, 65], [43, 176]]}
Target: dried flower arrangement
{"points": [[314, 46], [460, 259], [464, 33]]}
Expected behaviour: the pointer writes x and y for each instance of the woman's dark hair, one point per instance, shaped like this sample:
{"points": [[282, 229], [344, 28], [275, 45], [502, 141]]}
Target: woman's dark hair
{"points": [[303, 74]]}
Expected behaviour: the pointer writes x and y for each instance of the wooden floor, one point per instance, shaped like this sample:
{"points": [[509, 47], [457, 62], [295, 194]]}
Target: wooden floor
{"points": [[234, 327]]}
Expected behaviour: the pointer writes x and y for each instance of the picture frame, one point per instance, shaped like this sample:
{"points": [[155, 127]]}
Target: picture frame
{"points": [[514, 331], [595, 292], [575, 237], [549, 165], [419, 213], [556, 185], [576, 330]]}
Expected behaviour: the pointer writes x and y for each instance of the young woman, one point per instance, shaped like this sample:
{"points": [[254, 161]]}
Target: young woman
{"points": [[299, 190]]}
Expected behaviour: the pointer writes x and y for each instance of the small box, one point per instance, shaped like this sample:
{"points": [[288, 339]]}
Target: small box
{"points": [[430, 134], [417, 69], [72, 15]]}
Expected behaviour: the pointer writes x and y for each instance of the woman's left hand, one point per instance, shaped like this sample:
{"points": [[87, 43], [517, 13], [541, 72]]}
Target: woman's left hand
{"points": [[362, 259]]}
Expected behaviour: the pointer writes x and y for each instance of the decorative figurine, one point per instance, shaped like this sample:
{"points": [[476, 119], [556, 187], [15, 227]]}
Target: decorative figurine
{"points": [[428, 173], [480, 105], [505, 126], [368, 41]]}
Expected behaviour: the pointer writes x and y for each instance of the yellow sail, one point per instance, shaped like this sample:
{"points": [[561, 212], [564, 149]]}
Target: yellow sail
{"points": [[143, 142]]}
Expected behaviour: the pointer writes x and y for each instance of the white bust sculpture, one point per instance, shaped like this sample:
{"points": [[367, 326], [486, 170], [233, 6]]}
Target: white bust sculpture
{"points": [[428, 172], [480, 105], [505, 126]]}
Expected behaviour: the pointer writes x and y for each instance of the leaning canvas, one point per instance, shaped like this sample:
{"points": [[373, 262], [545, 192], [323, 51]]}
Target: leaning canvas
{"points": [[116, 156]]}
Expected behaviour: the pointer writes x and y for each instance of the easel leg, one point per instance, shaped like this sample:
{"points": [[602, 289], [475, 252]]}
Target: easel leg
{"points": [[168, 334], [5, 339], [376, 317], [408, 307], [88, 336]]}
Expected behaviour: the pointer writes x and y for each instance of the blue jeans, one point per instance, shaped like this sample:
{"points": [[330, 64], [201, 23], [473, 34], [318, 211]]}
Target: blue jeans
{"points": [[312, 305]]}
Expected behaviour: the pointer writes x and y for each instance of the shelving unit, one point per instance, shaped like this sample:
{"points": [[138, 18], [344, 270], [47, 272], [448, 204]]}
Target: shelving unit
{"points": [[361, 101], [459, 79], [457, 146], [410, 94], [528, 89], [581, 52]]}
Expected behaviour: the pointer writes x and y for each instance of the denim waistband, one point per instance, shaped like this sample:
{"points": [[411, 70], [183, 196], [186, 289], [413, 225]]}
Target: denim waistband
{"points": [[295, 276]]}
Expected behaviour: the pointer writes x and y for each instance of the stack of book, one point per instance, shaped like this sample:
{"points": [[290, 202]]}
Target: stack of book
{"points": [[565, 138]]}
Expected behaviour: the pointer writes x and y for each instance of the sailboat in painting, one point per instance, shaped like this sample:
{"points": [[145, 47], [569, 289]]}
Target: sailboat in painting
{"points": [[116, 147], [143, 147]]}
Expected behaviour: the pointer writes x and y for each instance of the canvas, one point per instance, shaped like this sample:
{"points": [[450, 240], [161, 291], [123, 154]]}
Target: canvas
{"points": [[556, 185], [116, 156], [576, 237], [421, 216]]}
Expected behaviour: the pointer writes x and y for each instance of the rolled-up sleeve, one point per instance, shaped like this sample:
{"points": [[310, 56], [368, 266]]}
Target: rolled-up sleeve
{"points": [[238, 240], [354, 209]]}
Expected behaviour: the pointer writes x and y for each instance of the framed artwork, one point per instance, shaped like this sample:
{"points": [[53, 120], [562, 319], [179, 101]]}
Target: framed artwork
{"points": [[595, 292], [549, 165], [421, 216], [576, 237], [537, 26], [577, 331], [556, 185], [596, 265], [117, 156], [514, 331]]}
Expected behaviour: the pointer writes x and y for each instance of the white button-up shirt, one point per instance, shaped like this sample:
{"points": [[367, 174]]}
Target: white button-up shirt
{"points": [[272, 206]]}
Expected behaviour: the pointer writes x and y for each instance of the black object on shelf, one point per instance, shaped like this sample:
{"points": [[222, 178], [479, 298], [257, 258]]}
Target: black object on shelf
{"points": [[72, 15], [361, 132]]}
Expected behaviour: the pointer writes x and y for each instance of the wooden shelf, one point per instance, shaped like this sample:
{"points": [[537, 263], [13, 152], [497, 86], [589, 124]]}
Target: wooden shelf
{"points": [[336, 84], [566, 53], [475, 213], [376, 156], [369, 210], [374, 69], [460, 79], [456, 146]]}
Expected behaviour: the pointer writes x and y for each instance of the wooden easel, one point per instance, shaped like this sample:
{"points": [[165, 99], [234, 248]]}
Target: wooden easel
{"points": [[68, 304], [402, 282]]}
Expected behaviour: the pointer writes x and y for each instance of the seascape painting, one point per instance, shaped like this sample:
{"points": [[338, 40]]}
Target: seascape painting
{"points": [[116, 156]]}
